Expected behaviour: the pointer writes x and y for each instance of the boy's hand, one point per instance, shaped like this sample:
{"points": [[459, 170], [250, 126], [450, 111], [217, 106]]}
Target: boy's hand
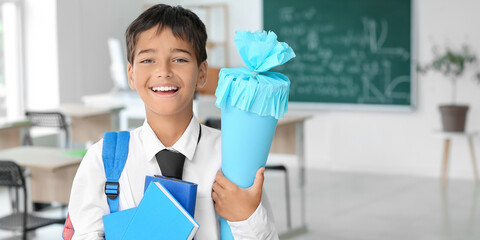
{"points": [[233, 202]]}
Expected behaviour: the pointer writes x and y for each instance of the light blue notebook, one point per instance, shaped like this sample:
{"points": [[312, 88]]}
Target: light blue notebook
{"points": [[116, 223], [160, 216]]}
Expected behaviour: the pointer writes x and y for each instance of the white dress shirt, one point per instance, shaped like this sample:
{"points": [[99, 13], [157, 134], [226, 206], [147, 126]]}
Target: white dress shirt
{"points": [[88, 202]]}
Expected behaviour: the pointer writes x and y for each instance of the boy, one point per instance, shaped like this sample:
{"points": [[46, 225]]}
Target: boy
{"points": [[166, 63]]}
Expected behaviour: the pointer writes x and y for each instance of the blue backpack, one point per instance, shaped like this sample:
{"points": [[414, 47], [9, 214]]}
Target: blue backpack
{"points": [[114, 155]]}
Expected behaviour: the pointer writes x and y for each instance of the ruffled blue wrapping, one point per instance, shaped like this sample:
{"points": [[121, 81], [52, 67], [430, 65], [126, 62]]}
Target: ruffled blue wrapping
{"points": [[252, 88]]}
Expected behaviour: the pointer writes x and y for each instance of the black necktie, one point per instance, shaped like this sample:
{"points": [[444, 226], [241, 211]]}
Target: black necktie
{"points": [[171, 163]]}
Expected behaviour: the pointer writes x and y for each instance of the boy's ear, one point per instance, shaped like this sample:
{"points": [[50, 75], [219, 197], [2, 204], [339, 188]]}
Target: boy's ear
{"points": [[131, 82], [202, 74]]}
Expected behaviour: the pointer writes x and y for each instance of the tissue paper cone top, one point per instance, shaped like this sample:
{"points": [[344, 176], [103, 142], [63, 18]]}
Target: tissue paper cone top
{"points": [[252, 88]]}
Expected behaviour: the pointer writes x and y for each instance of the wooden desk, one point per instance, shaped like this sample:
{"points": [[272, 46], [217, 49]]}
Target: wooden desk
{"points": [[289, 139], [11, 133], [51, 171], [89, 123]]}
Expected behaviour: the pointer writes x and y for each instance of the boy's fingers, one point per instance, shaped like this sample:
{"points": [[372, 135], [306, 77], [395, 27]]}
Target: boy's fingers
{"points": [[216, 187], [219, 173], [223, 181], [218, 177], [214, 196], [259, 177]]}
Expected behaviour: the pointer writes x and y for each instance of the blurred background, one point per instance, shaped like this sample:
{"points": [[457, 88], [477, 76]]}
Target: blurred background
{"points": [[69, 56]]}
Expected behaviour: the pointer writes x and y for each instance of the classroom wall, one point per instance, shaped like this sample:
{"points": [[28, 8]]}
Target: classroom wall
{"points": [[83, 29], [381, 142]]}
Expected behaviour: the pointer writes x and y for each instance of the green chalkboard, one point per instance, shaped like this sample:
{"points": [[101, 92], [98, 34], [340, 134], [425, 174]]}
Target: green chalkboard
{"points": [[355, 52]]}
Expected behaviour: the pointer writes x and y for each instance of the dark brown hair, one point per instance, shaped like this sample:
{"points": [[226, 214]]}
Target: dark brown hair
{"points": [[183, 23]]}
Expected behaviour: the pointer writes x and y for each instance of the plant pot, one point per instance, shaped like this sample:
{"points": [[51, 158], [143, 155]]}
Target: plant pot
{"points": [[453, 117]]}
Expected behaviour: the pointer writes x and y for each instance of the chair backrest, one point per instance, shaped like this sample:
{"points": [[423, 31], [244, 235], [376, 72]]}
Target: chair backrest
{"points": [[47, 119], [11, 175]]}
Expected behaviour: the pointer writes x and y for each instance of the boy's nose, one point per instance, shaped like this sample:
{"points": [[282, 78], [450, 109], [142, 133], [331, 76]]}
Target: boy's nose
{"points": [[163, 71]]}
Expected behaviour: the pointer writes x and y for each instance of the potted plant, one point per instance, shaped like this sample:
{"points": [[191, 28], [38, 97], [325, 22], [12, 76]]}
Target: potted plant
{"points": [[452, 64]]}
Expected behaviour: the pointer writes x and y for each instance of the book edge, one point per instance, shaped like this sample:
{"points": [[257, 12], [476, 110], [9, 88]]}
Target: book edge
{"points": [[178, 205]]}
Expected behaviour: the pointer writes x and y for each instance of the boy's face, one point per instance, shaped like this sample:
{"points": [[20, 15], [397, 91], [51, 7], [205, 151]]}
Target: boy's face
{"points": [[165, 72]]}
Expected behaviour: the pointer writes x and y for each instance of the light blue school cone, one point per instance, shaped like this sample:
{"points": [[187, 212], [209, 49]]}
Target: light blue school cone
{"points": [[246, 141], [252, 100]]}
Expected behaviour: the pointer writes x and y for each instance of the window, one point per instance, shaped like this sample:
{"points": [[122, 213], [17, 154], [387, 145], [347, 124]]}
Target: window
{"points": [[11, 95]]}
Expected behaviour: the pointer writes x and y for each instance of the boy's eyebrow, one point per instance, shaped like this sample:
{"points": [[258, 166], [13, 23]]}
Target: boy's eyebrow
{"points": [[180, 50], [150, 50]]}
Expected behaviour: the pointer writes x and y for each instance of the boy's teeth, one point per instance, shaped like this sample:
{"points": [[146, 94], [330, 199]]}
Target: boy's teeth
{"points": [[163, 89]]}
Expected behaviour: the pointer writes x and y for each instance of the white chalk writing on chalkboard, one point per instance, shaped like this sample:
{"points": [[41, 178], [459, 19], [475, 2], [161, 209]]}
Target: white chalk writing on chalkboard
{"points": [[363, 68]]}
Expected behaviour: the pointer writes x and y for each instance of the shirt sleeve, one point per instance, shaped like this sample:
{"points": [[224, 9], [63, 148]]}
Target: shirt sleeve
{"points": [[88, 202], [259, 226]]}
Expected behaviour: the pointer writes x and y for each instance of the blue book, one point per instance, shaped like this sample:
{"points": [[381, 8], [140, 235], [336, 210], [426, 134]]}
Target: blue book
{"points": [[160, 216], [185, 192], [116, 223]]}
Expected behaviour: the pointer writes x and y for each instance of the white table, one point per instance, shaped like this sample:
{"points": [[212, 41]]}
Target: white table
{"points": [[448, 136]]}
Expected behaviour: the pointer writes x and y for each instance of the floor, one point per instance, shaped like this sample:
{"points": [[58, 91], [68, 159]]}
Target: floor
{"points": [[360, 206]]}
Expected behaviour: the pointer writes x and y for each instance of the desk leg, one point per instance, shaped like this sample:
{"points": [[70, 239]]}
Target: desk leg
{"points": [[446, 150], [474, 161], [300, 150]]}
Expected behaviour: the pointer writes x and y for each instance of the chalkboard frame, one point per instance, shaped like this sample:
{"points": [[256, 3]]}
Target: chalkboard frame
{"points": [[303, 106]]}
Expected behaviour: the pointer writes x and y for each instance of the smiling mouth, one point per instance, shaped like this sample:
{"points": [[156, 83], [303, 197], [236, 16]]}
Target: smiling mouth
{"points": [[165, 90]]}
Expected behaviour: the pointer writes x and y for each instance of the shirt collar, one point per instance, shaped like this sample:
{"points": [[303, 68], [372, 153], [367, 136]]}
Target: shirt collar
{"points": [[185, 145]]}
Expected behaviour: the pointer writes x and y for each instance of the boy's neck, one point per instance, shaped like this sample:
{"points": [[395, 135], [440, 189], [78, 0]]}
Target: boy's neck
{"points": [[169, 129]]}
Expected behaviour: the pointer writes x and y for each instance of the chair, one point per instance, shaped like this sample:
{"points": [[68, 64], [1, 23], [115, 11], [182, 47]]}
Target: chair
{"points": [[19, 220], [54, 120], [216, 123]]}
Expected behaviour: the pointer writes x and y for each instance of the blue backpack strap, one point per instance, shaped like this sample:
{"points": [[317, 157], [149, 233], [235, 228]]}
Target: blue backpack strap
{"points": [[114, 155]]}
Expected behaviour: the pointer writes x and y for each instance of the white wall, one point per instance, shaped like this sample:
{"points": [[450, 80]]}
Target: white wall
{"points": [[83, 29], [383, 142]]}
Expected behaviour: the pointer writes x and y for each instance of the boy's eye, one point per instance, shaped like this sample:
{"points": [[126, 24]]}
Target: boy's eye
{"points": [[181, 60], [146, 61]]}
